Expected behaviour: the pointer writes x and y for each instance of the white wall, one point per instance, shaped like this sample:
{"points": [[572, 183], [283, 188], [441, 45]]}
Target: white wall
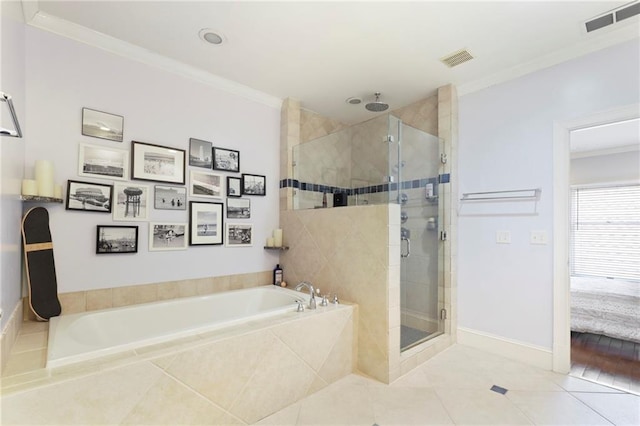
{"points": [[159, 107], [620, 167], [506, 142], [12, 150]]}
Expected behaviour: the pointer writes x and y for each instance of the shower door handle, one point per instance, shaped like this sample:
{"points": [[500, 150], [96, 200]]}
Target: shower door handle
{"points": [[408, 240]]}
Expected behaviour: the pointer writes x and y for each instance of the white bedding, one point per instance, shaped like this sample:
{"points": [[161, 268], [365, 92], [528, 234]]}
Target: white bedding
{"points": [[605, 306]]}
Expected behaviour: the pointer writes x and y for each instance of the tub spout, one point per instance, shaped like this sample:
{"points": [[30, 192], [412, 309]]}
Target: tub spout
{"points": [[312, 291]]}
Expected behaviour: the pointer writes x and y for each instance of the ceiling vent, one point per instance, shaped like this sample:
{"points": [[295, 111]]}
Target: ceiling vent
{"points": [[612, 17], [456, 58]]}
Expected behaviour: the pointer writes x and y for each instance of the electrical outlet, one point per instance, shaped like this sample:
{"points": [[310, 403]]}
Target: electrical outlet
{"points": [[538, 237], [503, 237]]}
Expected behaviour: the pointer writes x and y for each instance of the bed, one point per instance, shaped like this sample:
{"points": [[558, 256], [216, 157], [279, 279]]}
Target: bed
{"points": [[610, 307]]}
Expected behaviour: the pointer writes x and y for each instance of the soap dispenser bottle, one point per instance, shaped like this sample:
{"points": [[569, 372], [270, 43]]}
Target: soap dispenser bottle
{"points": [[277, 275]]}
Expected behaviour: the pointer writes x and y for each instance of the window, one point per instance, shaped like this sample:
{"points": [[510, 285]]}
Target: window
{"points": [[605, 231]]}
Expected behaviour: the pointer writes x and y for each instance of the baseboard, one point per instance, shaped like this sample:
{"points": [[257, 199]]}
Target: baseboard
{"points": [[536, 356]]}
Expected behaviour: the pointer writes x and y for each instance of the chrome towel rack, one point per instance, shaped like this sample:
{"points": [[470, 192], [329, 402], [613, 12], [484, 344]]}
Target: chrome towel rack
{"points": [[514, 194], [17, 133]]}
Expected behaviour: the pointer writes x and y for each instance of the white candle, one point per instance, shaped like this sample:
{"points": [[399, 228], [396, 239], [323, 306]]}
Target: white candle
{"points": [[44, 178], [277, 237], [57, 192], [270, 242], [29, 187]]}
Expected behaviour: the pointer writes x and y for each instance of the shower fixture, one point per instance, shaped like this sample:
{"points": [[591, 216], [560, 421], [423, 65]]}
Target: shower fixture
{"points": [[377, 106]]}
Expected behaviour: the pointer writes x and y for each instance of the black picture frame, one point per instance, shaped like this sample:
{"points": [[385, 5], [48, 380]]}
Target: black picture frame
{"points": [[254, 184], [206, 223], [238, 208], [200, 153], [113, 239], [169, 197], [102, 125], [157, 163], [234, 186], [89, 196], [227, 160]]}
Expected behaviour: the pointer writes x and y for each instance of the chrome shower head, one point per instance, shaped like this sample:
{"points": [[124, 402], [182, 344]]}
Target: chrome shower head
{"points": [[377, 106]]}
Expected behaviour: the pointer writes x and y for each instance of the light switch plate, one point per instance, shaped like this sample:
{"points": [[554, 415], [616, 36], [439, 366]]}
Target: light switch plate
{"points": [[503, 237], [538, 237]]}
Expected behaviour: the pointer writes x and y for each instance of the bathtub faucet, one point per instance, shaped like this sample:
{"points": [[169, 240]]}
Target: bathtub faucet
{"points": [[312, 291]]}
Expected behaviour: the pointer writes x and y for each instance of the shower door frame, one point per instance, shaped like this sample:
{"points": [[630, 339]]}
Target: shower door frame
{"points": [[396, 186]]}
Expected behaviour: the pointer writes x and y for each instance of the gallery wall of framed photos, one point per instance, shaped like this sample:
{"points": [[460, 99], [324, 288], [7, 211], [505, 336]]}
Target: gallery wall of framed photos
{"points": [[166, 166], [100, 103]]}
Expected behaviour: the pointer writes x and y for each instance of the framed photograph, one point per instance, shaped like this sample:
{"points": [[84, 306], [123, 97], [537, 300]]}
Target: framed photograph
{"points": [[88, 196], [200, 153], [238, 208], [226, 159], [203, 184], [254, 184], [170, 198], [116, 239], [157, 163], [239, 235], [167, 236], [234, 186], [130, 202], [205, 223], [101, 162], [102, 125]]}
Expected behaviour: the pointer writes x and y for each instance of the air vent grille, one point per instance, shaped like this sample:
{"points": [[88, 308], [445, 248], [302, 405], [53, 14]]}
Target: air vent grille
{"points": [[612, 17], [456, 58]]}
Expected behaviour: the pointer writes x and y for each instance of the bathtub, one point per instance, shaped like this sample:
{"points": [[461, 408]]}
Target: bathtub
{"points": [[88, 335]]}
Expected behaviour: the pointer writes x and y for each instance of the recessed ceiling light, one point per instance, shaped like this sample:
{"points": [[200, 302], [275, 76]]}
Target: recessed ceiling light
{"points": [[353, 101], [211, 36]]}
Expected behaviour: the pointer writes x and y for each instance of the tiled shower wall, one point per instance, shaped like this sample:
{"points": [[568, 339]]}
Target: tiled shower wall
{"points": [[436, 115], [346, 251]]}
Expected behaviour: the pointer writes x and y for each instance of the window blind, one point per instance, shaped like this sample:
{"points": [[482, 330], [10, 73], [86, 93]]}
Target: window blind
{"points": [[605, 231]]}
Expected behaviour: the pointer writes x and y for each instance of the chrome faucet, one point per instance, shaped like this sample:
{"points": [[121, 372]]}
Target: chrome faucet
{"points": [[312, 291]]}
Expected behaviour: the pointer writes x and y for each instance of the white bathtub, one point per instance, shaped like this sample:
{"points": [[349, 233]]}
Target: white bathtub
{"points": [[80, 337]]}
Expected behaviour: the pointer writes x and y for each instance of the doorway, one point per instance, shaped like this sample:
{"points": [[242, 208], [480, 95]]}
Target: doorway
{"points": [[562, 341]]}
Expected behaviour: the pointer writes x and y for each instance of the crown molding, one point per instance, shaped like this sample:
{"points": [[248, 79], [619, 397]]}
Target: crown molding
{"points": [[588, 45], [43, 21]]}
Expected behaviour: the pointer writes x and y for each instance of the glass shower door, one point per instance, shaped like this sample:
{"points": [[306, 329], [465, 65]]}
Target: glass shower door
{"points": [[414, 162]]}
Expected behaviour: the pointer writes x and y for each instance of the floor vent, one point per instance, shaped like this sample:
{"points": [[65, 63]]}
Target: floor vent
{"points": [[499, 389], [612, 17], [456, 58]]}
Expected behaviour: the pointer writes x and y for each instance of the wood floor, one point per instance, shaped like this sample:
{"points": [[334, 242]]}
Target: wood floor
{"points": [[607, 360]]}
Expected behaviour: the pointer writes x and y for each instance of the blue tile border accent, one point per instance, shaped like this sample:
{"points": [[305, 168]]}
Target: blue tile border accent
{"points": [[371, 189]]}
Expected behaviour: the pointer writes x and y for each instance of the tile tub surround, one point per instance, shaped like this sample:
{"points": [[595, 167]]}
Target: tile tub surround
{"points": [[237, 376], [346, 251], [92, 300], [10, 334]]}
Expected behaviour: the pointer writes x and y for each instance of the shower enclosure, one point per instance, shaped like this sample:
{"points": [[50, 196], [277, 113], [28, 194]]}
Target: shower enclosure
{"points": [[382, 161]]}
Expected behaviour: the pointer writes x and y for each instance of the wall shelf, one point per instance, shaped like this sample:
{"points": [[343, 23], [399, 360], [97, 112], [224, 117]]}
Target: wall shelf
{"points": [[276, 248], [38, 199]]}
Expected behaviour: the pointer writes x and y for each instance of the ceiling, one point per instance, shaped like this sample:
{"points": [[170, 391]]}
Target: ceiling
{"points": [[322, 53]]}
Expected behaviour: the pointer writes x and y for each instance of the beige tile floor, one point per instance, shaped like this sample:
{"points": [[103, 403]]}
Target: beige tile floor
{"points": [[451, 388]]}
